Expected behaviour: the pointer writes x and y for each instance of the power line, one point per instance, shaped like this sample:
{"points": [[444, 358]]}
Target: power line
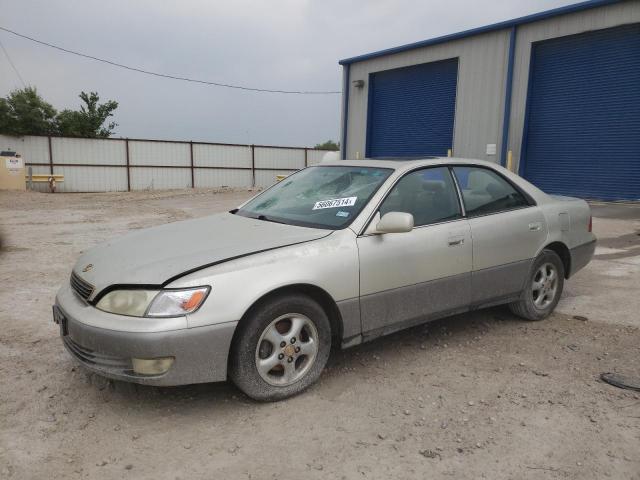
{"points": [[173, 77], [12, 65]]}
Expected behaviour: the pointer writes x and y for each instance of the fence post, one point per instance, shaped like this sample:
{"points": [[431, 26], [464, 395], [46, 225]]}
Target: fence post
{"points": [[253, 166], [193, 181], [306, 161], [126, 143], [50, 156]]}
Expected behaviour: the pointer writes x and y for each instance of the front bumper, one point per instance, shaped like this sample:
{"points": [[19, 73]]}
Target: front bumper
{"points": [[200, 353]]}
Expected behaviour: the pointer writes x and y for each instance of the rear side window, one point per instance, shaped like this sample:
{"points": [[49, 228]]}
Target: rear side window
{"points": [[429, 195], [485, 192]]}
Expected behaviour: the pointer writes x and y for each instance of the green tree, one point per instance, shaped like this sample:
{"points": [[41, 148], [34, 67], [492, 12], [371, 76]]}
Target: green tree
{"points": [[5, 116], [328, 145], [24, 112], [90, 120]]}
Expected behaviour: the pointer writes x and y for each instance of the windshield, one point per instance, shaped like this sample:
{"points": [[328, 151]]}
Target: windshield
{"points": [[320, 197]]}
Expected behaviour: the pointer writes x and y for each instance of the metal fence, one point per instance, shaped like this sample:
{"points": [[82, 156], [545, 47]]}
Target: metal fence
{"points": [[115, 165]]}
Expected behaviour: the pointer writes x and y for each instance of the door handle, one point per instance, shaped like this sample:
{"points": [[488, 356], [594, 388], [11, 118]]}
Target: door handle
{"points": [[456, 240], [534, 227]]}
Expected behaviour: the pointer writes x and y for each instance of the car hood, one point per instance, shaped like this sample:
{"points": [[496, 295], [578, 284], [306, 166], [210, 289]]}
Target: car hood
{"points": [[155, 255]]}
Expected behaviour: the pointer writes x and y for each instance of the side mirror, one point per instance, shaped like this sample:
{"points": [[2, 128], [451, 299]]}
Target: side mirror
{"points": [[395, 222]]}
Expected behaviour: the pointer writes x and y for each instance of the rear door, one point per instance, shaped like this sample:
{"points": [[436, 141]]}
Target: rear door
{"points": [[411, 277], [507, 228]]}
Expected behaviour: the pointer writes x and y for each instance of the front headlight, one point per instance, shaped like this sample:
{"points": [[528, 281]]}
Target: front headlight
{"points": [[174, 303], [153, 303], [127, 302]]}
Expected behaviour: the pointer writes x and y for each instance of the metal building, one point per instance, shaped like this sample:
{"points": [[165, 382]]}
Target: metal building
{"points": [[559, 89]]}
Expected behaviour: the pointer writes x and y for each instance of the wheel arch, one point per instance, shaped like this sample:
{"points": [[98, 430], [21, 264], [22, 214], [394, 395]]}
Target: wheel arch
{"points": [[564, 253], [321, 296]]}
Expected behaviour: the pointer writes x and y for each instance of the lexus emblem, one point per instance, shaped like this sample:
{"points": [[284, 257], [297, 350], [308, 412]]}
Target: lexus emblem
{"points": [[87, 267]]}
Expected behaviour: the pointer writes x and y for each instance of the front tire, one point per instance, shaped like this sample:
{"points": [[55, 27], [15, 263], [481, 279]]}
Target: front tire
{"points": [[543, 288], [281, 348]]}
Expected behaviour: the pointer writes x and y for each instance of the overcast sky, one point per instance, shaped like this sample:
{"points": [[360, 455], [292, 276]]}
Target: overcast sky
{"points": [[275, 44]]}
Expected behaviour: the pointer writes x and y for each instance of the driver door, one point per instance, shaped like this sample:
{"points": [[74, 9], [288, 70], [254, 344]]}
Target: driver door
{"points": [[409, 278]]}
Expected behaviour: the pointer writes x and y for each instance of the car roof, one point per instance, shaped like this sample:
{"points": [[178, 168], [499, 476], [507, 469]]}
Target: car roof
{"points": [[403, 164]]}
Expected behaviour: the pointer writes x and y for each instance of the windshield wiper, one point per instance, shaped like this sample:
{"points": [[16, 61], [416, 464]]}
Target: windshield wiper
{"points": [[267, 219]]}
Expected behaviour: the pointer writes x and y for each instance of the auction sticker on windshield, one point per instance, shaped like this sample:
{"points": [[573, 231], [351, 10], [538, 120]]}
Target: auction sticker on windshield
{"points": [[335, 203]]}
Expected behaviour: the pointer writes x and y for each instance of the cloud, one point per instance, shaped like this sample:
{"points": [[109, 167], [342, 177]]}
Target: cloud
{"points": [[280, 44]]}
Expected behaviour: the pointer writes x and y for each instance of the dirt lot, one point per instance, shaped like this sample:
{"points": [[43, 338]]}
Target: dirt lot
{"points": [[481, 395]]}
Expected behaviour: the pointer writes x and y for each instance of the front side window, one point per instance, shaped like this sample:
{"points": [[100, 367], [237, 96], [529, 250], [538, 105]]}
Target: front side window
{"points": [[319, 197], [485, 192], [429, 195]]}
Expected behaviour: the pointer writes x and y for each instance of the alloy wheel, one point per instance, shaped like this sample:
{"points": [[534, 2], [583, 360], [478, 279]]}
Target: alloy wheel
{"points": [[286, 349], [544, 286]]}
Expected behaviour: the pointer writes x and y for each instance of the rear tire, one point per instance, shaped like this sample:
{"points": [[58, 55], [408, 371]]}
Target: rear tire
{"points": [[543, 288], [281, 348]]}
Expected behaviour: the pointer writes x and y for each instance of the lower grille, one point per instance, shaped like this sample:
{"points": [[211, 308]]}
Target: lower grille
{"points": [[101, 360], [82, 288]]}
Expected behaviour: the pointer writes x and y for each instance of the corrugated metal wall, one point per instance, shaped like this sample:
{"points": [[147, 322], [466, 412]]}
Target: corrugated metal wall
{"points": [[282, 162], [411, 110], [36, 149], [583, 126], [73, 157], [479, 98], [39, 170], [599, 18], [104, 165], [481, 79], [154, 156], [315, 156], [233, 162]]}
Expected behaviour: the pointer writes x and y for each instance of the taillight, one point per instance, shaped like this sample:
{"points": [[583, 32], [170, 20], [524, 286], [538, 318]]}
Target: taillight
{"points": [[590, 223]]}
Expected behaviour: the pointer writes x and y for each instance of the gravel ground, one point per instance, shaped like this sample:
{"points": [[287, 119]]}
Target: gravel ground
{"points": [[481, 395]]}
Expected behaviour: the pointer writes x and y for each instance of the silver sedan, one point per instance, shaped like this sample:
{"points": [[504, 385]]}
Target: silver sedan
{"points": [[334, 255]]}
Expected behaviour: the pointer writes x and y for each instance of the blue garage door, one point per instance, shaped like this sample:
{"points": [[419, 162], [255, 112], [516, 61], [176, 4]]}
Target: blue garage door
{"points": [[411, 110], [583, 127]]}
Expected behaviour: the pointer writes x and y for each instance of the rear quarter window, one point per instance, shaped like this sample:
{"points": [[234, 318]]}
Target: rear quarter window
{"points": [[485, 192]]}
